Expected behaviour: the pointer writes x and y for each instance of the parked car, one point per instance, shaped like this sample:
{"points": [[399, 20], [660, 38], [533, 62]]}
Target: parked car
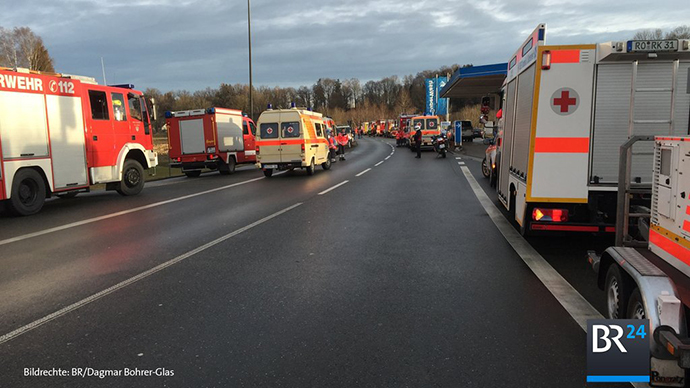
{"points": [[478, 133]]}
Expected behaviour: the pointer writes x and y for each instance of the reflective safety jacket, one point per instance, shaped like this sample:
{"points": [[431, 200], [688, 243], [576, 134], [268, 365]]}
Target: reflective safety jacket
{"points": [[341, 139]]}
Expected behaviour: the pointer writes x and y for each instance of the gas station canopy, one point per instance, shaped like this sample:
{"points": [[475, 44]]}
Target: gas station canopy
{"points": [[475, 81]]}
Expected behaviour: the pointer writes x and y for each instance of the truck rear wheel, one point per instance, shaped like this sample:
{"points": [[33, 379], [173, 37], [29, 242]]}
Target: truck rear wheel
{"points": [[617, 292], [132, 178], [310, 168], [227, 168], [635, 306], [193, 174], [268, 172], [28, 193]]}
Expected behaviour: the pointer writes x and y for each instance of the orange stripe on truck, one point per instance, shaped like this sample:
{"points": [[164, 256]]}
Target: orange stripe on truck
{"points": [[569, 145], [686, 226], [565, 56], [671, 247]]}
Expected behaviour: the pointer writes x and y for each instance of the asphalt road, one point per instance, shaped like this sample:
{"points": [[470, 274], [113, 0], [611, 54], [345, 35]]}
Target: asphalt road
{"points": [[396, 278]]}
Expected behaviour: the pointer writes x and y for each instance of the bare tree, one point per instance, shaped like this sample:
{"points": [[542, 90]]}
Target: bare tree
{"points": [[21, 47], [649, 34], [680, 32]]}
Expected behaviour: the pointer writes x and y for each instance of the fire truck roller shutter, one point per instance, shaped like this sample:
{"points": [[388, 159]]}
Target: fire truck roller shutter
{"points": [[23, 126], [682, 100], [192, 136], [506, 151], [230, 138], [67, 141], [523, 122]]}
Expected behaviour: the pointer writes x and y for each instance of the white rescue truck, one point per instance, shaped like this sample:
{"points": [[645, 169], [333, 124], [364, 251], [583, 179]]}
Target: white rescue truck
{"points": [[647, 274], [567, 111], [59, 134]]}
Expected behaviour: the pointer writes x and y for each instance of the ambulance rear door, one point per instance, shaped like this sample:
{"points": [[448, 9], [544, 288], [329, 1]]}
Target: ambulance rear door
{"points": [[291, 137]]}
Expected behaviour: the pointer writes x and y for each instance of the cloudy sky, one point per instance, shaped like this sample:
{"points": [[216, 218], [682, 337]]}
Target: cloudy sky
{"points": [[184, 44]]}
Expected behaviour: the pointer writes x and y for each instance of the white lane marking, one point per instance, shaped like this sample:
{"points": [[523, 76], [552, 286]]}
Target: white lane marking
{"points": [[387, 157], [26, 328], [333, 188], [574, 303], [378, 164], [458, 158], [461, 163], [364, 172], [121, 213]]}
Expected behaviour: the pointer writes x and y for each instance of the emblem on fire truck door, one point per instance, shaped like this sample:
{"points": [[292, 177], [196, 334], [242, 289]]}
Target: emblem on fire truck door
{"points": [[565, 101], [52, 85]]}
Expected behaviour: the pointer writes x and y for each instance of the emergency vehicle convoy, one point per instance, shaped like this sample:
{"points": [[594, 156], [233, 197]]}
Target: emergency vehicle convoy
{"points": [[213, 138], [291, 138], [651, 281], [567, 111], [430, 128], [61, 133]]}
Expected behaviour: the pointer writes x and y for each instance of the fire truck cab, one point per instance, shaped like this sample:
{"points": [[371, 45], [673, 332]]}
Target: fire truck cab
{"points": [[59, 134], [213, 138], [291, 138]]}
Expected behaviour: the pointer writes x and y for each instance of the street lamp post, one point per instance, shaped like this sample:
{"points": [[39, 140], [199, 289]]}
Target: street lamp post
{"points": [[249, 28]]}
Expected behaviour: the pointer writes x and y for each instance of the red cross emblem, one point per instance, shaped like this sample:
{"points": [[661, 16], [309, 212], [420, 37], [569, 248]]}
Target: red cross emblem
{"points": [[290, 130], [565, 101], [269, 130]]}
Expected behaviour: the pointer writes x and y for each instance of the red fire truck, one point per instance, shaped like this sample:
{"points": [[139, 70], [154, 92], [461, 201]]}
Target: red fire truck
{"points": [[213, 138], [59, 134]]}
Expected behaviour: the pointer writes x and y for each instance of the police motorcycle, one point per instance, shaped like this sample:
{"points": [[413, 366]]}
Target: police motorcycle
{"points": [[440, 145]]}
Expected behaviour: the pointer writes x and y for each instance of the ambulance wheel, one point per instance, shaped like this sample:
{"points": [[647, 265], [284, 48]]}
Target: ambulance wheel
{"points": [[132, 178], [310, 168], [28, 193], [327, 164], [192, 174], [227, 168], [268, 172], [617, 292]]}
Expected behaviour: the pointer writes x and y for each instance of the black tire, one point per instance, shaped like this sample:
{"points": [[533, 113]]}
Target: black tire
{"points": [[310, 168], [268, 172], [193, 174], [229, 168], [636, 309], [327, 164], [486, 171], [28, 193], [493, 178], [68, 195], [617, 293], [132, 178]]}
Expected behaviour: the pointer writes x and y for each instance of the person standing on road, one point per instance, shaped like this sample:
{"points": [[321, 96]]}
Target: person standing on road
{"points": [[418, 141], [451, 139], [331, 146], [342, 142]]}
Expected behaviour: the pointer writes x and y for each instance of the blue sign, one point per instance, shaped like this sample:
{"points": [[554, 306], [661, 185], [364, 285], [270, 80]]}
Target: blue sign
{"points": [[441, 103], [430, 84]]}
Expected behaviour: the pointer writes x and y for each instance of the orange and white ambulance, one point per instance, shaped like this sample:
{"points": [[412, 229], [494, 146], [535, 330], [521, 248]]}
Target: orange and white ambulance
{"points": [[291, 138], [430, 128], [568, 109]]}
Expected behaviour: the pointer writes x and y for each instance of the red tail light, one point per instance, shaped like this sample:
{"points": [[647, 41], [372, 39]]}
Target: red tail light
{"points": [[257, 150], [550, 215], [302, 147]]}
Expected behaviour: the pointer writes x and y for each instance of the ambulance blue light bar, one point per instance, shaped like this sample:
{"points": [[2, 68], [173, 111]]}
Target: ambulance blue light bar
{"points": [[211, 110], [168, 114]]}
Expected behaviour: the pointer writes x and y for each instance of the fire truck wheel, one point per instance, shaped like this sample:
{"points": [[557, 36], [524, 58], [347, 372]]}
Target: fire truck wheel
{"points": [[28, 193], [617, 292], [132, 178], [327, 164], [193, 174], [636, 306], [229, 168], [310, 168], [268, 172]]}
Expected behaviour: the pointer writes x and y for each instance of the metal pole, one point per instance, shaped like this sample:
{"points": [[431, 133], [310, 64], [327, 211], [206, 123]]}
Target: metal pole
{"points": [[103, 68], [251, 87]]}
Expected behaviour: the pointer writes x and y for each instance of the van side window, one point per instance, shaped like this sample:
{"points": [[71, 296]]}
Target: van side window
{"points": [[319, 130], [269, 130], [245, 128], [290, 129], [119, 106], [134, 106], [99, 105], [253, 128]]}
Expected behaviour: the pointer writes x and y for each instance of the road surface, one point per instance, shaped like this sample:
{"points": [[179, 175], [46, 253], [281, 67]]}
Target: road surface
{"points": [[383, 271]]}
